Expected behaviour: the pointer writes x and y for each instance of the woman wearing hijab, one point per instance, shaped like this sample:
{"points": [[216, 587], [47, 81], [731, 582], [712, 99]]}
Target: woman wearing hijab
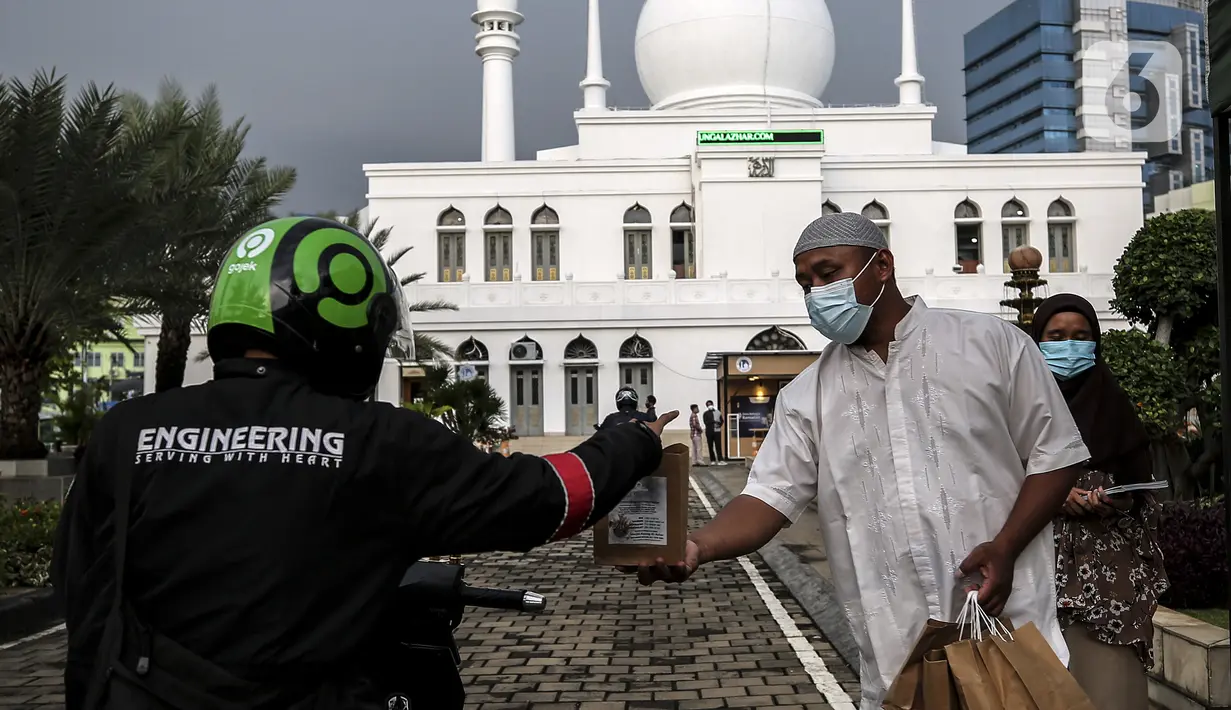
{"points": [[1109, 568]]}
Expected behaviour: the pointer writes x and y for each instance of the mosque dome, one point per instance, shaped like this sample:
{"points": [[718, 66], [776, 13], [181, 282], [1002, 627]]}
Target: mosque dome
{"points": [[734, 53]]}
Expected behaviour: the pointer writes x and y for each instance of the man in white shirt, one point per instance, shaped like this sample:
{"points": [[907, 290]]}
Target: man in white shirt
{"points": [[936, 444]]}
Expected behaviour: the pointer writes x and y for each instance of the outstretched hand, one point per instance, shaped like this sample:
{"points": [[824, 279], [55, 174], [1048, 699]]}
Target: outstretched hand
{"points": [[661, 571], [661, 423]]}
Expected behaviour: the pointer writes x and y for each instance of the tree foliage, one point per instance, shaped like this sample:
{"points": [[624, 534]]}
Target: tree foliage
{"points": [[80, 408], [1168, 269], [1149, 374], [1167, 282], [427, 408], [219, 195], [474, 410], [74, 188]]}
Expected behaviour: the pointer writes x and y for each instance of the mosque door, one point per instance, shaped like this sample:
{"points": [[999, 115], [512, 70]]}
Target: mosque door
{"points": [[639, 376], [452, 256], [499, 256], [580, 399], [637, 254], [546, 256], [526, 400]]}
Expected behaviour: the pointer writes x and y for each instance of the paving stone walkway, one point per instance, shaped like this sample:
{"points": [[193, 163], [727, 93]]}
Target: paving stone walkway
{"points": [[604, 644]]}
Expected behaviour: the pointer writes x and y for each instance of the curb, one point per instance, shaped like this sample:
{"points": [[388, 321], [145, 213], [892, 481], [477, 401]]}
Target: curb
{"points": [[28, 613], [813, 592]]}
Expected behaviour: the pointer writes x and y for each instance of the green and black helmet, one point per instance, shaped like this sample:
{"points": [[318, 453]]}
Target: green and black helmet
{"points": [[317, 295]]}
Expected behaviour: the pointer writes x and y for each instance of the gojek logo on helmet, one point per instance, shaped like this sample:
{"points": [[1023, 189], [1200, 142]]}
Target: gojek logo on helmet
{"points": [[251, 247], [344, 270], [255, 244]]}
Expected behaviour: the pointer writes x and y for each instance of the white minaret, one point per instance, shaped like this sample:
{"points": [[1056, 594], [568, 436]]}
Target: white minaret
{"points": [[910, 82], [594, 86], [497, 44]]}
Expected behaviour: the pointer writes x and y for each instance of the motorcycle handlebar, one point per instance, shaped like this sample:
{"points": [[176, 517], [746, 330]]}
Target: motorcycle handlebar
{"points": [[508, 599]]}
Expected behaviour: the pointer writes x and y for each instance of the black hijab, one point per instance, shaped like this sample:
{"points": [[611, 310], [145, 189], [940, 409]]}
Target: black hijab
{"points": [[1106, 417]]}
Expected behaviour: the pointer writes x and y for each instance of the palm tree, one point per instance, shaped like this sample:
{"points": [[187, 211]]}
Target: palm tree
{"points": [[427, 348], [474, 410], [223, 195], [74, 185]]}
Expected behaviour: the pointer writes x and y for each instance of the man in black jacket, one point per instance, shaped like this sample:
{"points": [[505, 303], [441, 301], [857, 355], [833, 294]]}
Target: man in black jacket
{"points": [[235, 544], [713, 427], [626, 410]]}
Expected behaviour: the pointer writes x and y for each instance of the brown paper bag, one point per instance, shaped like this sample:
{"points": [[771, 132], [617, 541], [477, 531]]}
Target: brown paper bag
{"points": [[906, 693], [1009, 686], [652, 521], [974, 687], [1049, 683], [938, 690]]}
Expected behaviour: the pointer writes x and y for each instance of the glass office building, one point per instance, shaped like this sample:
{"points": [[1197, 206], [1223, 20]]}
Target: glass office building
{"points": [[1025, 91]]}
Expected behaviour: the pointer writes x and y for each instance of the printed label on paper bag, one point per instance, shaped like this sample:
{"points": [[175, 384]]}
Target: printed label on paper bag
{"points": [[641, 518]]}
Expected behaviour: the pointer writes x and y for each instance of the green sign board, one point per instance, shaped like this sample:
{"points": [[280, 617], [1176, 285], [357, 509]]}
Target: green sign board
{"points": [[791, 137]]}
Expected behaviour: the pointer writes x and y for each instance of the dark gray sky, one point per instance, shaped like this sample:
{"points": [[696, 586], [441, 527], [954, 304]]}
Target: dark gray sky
{"points": [[327, 90]]}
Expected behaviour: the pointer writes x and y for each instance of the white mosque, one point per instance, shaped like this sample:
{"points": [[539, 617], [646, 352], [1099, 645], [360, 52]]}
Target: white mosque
{"points": [[656, 251]]}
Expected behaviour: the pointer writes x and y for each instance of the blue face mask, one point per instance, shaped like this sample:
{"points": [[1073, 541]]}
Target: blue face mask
{"points": [[1068, 358], [836, 312]]}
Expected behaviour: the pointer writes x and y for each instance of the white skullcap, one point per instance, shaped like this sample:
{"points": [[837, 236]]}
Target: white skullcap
{"points": [[843, 229]]}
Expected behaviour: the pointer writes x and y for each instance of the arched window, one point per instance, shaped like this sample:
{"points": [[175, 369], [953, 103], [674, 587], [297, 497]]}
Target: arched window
{"points": [[968, 236], [967, 210], [683, 243], [636, 348], [544, 216], [472, 353], [545, 244], [829, 208], [581, 348], [876, 212], [498, 216], [451, 245], [637, 215], [498, 228], [637, 366], [471, 350], [1061, 237], [775, 338], [638, 261], [1014, 228], [525, 349]]}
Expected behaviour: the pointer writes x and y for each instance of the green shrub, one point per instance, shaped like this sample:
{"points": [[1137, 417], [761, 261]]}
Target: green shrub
{"points": [[1193, 536], [27, 534]]}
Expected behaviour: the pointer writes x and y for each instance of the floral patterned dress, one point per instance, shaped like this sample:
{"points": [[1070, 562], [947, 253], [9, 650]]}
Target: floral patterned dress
{"points": [[1109, 571]]}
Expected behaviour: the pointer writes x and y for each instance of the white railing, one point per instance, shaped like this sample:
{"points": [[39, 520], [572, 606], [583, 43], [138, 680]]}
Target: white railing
{"points": [[935, 289], [826, 105]]}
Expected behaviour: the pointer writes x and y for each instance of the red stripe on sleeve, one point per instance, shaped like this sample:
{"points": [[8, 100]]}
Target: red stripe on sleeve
{"points": [[578, 493]]}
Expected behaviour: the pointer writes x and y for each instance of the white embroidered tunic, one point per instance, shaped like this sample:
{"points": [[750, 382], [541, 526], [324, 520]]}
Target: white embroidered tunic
{"points": [[913, 462]]}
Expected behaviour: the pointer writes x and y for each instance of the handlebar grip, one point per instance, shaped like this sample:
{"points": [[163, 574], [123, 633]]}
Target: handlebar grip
{"points": [[510, 599]]}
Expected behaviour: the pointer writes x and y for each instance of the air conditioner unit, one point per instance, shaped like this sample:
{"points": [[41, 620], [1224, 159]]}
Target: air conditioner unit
{"points": [[521, 352]]}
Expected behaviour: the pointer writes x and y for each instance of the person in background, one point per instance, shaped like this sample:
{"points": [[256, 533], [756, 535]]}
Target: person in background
{"points": [[1109, 567], [651, 406], [713, 427], [626, 409], [983, 452], [695, 431]]}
